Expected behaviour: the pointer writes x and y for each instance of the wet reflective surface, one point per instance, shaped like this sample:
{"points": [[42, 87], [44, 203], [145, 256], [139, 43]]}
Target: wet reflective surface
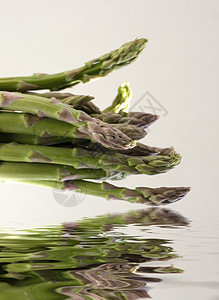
{"points": [[113, 256]]}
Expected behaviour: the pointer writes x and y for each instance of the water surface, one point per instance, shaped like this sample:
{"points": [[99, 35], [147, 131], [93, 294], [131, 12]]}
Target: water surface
{"points": [[113, 256]]}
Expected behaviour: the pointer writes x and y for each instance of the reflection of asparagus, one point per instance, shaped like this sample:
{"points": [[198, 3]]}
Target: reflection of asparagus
{"points": [[68, 259], [122, 100], [93, 69], [145, 217], [82, 158], [168, 269], [145, 195], [44, 127]]}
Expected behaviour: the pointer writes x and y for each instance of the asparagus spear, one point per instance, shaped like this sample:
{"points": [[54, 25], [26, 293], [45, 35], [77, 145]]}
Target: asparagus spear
{"points": [[78, 101], [37, 171], [139, 119], [98, 131], [44, 127], [122, 100], [20, 123], [139, 150], [32, 139], [113, 116], [145, 195], [95, 68], [82, 158]]}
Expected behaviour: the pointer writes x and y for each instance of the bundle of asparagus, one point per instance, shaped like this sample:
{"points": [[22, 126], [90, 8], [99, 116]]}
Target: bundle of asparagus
{"points": [[61, 140]]}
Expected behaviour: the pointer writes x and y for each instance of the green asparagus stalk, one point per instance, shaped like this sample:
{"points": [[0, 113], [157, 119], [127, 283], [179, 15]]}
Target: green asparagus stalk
{"points": [[37, 171], [32, 139], [144, 195], [82, 158], [132, 131], [139, 150], [21, 123], [122, 101], [116, 116], [42, 107], [95, 68], [139, 119], [46, 127]]}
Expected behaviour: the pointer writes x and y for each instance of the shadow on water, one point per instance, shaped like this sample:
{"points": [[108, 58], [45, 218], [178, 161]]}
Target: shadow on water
{"points": [[90, 259]]}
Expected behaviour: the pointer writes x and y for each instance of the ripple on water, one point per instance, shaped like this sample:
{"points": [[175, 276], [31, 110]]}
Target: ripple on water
{"points": [[91, 258]]}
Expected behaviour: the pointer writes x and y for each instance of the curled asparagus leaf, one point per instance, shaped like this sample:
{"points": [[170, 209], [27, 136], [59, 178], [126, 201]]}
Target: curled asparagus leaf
{"points": [[122, 101]]}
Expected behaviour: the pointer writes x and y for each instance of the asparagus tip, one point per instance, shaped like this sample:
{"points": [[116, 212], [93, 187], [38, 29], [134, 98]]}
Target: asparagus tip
{"points": [[163, 195]]}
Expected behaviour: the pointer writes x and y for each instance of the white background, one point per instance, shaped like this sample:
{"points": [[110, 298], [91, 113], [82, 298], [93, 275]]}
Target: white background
{"points": [[179, 67]]}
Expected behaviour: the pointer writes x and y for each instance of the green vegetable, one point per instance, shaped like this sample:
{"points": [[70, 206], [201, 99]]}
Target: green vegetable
{"points": [[122, 101], [90, 144], [83, 158], [94, 68], [44, 127], [82, 102], [139, 119], [135, 133], [33, 139], [37, 171], [145, 195]]}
